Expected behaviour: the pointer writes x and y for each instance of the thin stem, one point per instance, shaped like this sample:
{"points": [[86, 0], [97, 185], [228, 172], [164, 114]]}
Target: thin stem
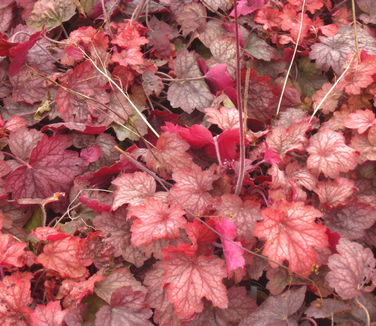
{"points": [[240, 179], [183, 79], [138, 10], [18, 159], [362, 306], [292, 59], [355, 29], [331, 89], [123, 93], [310, 320]]}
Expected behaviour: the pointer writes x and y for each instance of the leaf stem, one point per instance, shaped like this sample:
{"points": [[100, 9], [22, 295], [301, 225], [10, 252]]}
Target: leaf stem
{"points": [[331, 89], [240, 179], [18, 159], [363, 307], [355, 29], [292, 59]]}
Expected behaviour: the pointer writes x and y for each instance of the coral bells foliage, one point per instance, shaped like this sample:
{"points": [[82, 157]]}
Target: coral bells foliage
{"points": [[120, 163]]}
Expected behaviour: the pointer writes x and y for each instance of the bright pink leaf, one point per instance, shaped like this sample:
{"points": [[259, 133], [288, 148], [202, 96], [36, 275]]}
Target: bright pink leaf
{"points": [[335, 192], [64, 257], [156, 220], [360, 120], [49, 315], [291, 234], [276, 310], [133, 188], [218, 78], [51, 168], [192, 187], [329, 154], [11, 251], [189, 279], [351, 269], [232, 251]]}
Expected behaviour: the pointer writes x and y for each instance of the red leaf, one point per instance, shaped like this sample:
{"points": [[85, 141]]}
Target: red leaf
{"points": [[15, 299], [49, 315], [189, 279], [133, 189], [90, 154], [19, 53], [51, 168], [291, 234], [192, 187], [11, 251], [233, 253], [64, 257], [95, 204], [351, 269], [360, 120], [116, 230], [128, 308], [74, 292], [5, 45], [156, 220], [335, 192], [276, 310], [170, 154], [85, 80], [329, 154]]}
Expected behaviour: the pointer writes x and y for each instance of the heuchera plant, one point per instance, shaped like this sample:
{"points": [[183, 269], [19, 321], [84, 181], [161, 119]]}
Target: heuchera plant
{"points": [[187, 162]]}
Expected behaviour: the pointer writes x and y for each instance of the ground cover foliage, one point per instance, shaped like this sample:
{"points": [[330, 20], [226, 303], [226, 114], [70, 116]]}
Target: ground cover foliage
{"points": [[186, 162]]}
